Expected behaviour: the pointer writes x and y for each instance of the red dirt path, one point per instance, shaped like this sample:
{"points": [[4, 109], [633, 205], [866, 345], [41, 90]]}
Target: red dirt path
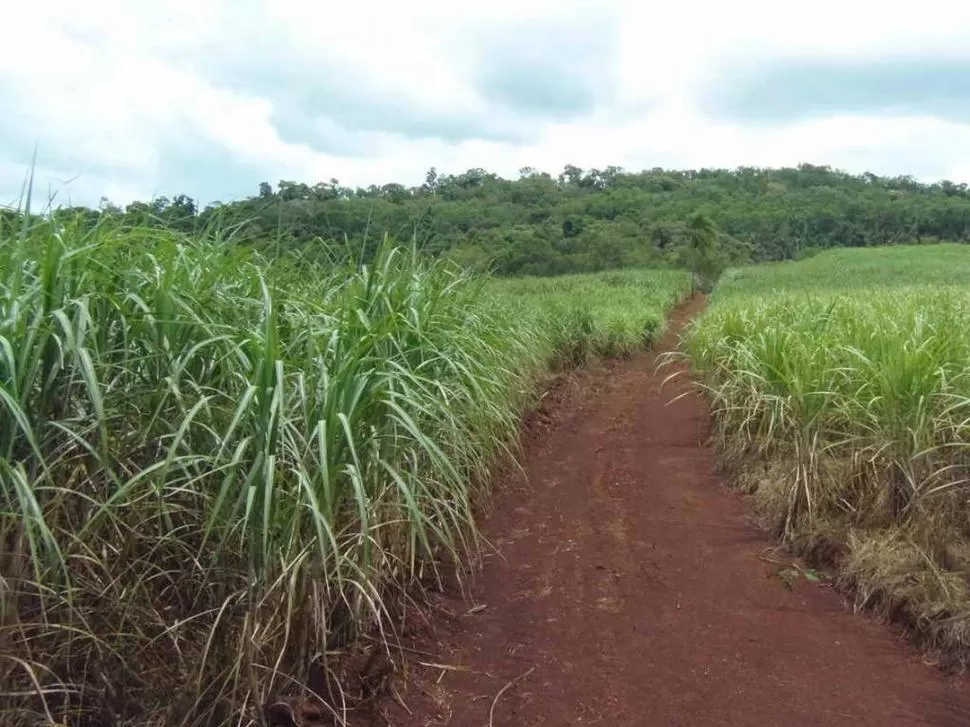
{"points": [[628, 590]]}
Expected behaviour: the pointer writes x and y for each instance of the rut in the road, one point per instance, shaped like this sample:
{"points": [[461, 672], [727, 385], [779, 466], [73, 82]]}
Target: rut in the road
{"points": [[630, 589]]}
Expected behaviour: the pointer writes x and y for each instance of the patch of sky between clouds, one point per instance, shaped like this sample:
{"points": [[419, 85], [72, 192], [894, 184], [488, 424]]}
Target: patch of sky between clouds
{"points": [[773, 91], [345, 111], [332, 107], [209, 173], [20, 135], [205, 172], [55, 164], [559, 68]]}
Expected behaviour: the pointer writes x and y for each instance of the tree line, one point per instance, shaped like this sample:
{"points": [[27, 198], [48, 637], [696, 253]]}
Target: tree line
{"points": [[582, 220]]}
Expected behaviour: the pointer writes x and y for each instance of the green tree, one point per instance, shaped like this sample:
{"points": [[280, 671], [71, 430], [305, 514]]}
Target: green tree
{"points": [[702, 253], [591, 220]]}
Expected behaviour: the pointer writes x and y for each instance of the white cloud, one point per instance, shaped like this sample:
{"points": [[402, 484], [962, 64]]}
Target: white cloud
{"points": [[211, 98]]}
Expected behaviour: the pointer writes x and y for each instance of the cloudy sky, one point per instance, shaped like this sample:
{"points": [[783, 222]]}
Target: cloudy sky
{"points": [[132, 100]]}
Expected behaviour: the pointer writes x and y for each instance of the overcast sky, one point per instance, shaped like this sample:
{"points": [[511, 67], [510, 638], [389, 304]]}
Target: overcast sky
{"points": [[210, 97]]}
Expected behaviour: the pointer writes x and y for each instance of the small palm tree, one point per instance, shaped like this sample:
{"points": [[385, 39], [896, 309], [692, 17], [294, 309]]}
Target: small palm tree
{"points": [[701, 245]]}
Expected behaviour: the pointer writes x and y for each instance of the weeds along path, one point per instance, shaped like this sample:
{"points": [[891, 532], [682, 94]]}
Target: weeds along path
{"points": [[630, 588]]}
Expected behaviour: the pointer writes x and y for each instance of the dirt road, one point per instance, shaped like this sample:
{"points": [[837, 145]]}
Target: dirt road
{"points": [[628, 590]]}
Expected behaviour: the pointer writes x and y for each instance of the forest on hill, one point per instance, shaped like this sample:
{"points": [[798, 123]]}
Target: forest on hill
{"points": [[583, 220]]}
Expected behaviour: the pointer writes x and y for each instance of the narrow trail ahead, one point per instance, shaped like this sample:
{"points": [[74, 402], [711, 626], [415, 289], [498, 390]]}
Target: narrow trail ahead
{"points": [[628, 590]]}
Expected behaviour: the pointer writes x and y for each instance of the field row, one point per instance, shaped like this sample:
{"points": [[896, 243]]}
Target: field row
{"points": [[213, 467], [841, 391]]}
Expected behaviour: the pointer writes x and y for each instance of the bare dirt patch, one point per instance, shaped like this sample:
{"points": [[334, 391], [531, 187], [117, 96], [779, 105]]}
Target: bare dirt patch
{"points": [[630, 587]]}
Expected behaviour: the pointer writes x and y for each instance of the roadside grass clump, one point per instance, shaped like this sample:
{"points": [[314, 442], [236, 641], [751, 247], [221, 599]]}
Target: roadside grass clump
{"points": [[217, 471], [841, 398]]}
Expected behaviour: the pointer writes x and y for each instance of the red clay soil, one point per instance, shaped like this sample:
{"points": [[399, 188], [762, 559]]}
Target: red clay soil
{"points": [[630, 587]]}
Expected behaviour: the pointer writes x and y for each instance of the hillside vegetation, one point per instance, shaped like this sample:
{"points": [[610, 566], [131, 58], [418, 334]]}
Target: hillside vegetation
{"points": [[841, 393], [216, 469], [582, 220]]}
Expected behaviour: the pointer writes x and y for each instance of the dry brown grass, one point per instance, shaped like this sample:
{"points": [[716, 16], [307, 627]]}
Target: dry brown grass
{"points": [[914, 575]]}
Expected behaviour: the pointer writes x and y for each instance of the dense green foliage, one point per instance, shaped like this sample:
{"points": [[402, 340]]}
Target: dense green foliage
{"points": [[583, 221], [848, 376], [213, 467]]}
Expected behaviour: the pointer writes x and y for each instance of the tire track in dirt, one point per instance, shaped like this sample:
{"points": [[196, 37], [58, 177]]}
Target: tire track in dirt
{"points": [[628, 590]]}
